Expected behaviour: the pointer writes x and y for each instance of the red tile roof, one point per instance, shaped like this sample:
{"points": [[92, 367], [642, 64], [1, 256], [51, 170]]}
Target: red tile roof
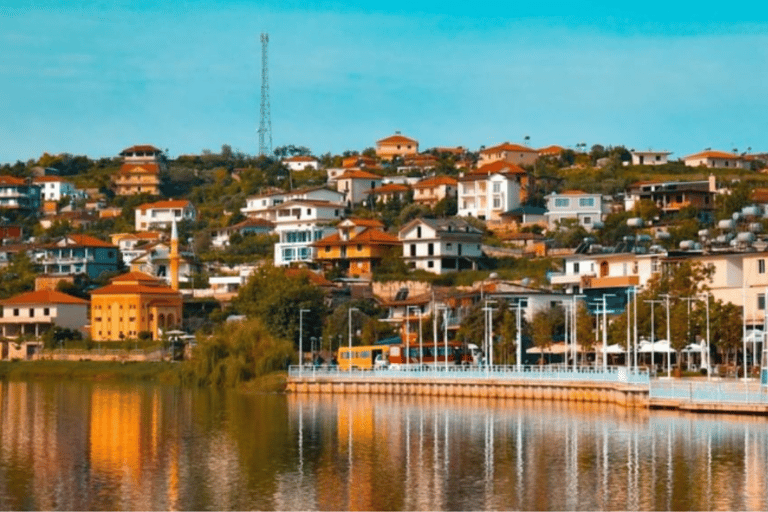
{"points": [[86, 241], [358, 175], [436, 181], [396, 139], [11, 180], [49, 179], [508, 147], [119, 289], [44, 297], [178, 203], [368, 223], [314, 278], [389, 188], [713, 154], [551, 151], [499, 167], [367, 236]]}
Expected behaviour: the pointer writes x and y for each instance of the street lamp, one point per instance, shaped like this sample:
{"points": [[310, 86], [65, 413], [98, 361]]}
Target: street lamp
{"points": [[669, 341], [349, 355], [489, 332], [301, 338], [653, 330], [709, 367], [446, 313], [574, 328]]}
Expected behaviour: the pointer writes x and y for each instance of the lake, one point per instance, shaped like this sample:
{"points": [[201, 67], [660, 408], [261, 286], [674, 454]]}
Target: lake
{"points": [[109, 446]]}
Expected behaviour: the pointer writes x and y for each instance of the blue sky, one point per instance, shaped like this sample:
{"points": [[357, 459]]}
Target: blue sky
{"points": [[96, 77]]}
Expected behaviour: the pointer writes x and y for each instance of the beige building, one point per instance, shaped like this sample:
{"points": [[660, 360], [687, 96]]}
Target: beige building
{"points": [[431, 191], [140, 172], [719, 159], [396, 145], [510, 153], [33, 313]]}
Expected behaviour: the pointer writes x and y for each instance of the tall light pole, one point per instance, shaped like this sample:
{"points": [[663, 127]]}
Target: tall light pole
{"points": [[301, 338], [489, 332], [574, 327], [518, 335], [408, 333], [653, 330], [709, 367], [669, 341], [349, 314], [605, 329], [445, 333]]}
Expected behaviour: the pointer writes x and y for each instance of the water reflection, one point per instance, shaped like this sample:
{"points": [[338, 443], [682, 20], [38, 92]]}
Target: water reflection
{"points": [[95, 446]]}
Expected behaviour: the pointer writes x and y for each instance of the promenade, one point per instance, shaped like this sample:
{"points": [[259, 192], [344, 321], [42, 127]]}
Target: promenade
{"points": [[616, 384]]}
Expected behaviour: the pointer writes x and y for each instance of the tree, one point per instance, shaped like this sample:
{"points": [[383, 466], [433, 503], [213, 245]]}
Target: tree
{"points": [[542, 330], [275, 298], [18, 277]]}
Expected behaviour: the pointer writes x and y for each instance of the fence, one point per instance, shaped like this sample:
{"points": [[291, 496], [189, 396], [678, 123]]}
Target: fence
{"points": [[549, 373], [710, 391]]}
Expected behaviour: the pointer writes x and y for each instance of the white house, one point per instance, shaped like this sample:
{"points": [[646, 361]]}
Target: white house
{"points": [[441, 245], [301, 163], [53, 188], [588, 209], [161, 214], [220, 236], [298, 223], [356, 184], [33, 313], [261, 206], [718, 159], [650, 157], [487, 196]]}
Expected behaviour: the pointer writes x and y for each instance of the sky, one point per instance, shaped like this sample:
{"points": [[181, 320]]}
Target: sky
{"points": [[96, 77]]}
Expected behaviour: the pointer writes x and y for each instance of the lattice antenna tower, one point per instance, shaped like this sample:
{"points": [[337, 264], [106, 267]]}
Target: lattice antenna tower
{"points": [[265, 123]]}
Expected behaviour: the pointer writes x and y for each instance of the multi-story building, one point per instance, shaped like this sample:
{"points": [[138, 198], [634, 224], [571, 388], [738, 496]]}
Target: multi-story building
{"points": [[488, 192], [671, 196], [220, 236], [34, 313], [431, 191], [299, 223], [356, 185], [357, 247], [389, 192], [441, 245], [54, 188], [587, 209], [396, 146], [133, 303], [77, 254], [261, 206], [140, 172], [19, 194], [160, 215], [510, 153]]}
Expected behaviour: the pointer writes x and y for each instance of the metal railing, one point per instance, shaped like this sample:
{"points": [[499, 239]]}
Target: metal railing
{"points": [[550, 373], [720, 392]]}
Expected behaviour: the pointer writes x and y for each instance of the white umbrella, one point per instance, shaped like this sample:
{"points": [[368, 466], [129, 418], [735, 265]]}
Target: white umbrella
{"points": [[661, 346], [613, 349]]}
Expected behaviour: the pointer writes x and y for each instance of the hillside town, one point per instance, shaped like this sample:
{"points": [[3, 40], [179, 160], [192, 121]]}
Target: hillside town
{"points": [[141, 249]]}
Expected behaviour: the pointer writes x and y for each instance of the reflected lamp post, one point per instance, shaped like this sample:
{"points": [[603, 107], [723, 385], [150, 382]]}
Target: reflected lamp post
{"points": [[349, 354], [301, 338]]}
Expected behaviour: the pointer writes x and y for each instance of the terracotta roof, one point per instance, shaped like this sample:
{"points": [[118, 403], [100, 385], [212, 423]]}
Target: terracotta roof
{"points": [[44, 297], [368, 223], [389, 188], [11, 180], [759, 195], [254, 223], [508, 147], [572, 193], [713, 154], [394, 139], [355, 160], [436, 181], [178, 203], [357, 174], [367, 236], [139, 168], [499, 167], [86, 240], [458, 150], [49, 179], [118, 289], [140, 148], [551, 150], [135, 276]]}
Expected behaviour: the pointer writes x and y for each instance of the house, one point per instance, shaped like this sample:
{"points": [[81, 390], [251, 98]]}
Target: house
{"points": [[356, 185], [510, 153], [650, 157], [491, 190], [441, 245], [161, 214], [127, 243], [220, 236], [19, 194], [55, 188], [77, 254], [140, 172], [357, 247], [298, 223], [75, 220], [132, 304], [301, 163], [389, 192], [551, 151], [672, 196], [718, 159], [154, 259], [34, 313], [588, 209], [396, 145], [261, 206], [423, 162], [431, 191]]}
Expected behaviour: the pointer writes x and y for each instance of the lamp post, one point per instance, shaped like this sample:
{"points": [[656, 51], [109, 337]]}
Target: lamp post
{"points": [[489, 333], [706, 301], [574, 327], [446, 313], [605, 329], [408, 334], [349, 354], [653, 330], [301, 338], [669, 341], [518, 335]]}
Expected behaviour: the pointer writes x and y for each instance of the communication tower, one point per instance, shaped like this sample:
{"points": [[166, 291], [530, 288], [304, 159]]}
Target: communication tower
{"points": [[265, 124]]}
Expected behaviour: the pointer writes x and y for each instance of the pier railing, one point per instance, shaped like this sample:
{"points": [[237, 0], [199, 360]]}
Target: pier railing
{"points": [[616, 374], [713, 391]]}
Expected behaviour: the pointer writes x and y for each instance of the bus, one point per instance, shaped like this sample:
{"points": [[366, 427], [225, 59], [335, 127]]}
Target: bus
{"points": [[458, 353], [364, 357]]}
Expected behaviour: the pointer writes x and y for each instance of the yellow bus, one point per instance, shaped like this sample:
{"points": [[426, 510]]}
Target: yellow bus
{"points": [[363, 358]]}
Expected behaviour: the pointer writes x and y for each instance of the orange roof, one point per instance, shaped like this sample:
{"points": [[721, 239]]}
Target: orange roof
{"points": [[139, 168], [87, 241], [11, 180], [119, 289], [178, 203], [395, 139], [389, 188], [759, 195], [368, 236], [44, 297], [354, 160], [572, 192], [456, 151], [368, 223], [713, 154], [142, 277], [551, 150], [436, 181], [48, 179], [357, 174], [508, 147], [499, 167]]}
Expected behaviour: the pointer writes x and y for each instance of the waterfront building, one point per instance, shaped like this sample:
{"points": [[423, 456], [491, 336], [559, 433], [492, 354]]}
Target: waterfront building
{"points": [[34, 313]]}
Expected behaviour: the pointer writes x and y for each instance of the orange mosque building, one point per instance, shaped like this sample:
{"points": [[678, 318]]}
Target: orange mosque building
{"points": [[137, 302]]}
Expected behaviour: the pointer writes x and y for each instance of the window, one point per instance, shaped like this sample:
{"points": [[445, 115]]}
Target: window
{"points": [[760, 301], [431, 249], [562, 202], [587, 202], [31, 312], [359, 247], [15, 312], [418, 232], [46, 311], [430, 264], [587, 220], [575, 268], [496, 187], [413, 249], [496, 202], [761, 266]]}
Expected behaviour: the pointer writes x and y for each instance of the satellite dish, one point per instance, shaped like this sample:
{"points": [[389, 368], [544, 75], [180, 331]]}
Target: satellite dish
{"points": [[493, 275]]}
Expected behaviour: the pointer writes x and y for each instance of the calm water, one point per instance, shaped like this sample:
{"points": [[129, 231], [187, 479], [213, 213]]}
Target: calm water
{"points": [[107, 446]]}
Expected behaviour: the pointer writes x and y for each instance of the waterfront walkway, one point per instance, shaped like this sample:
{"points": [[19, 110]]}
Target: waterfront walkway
{"points": [[618, 384]]}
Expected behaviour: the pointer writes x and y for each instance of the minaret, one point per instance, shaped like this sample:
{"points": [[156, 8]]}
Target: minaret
{"points": [[174, 257]]}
